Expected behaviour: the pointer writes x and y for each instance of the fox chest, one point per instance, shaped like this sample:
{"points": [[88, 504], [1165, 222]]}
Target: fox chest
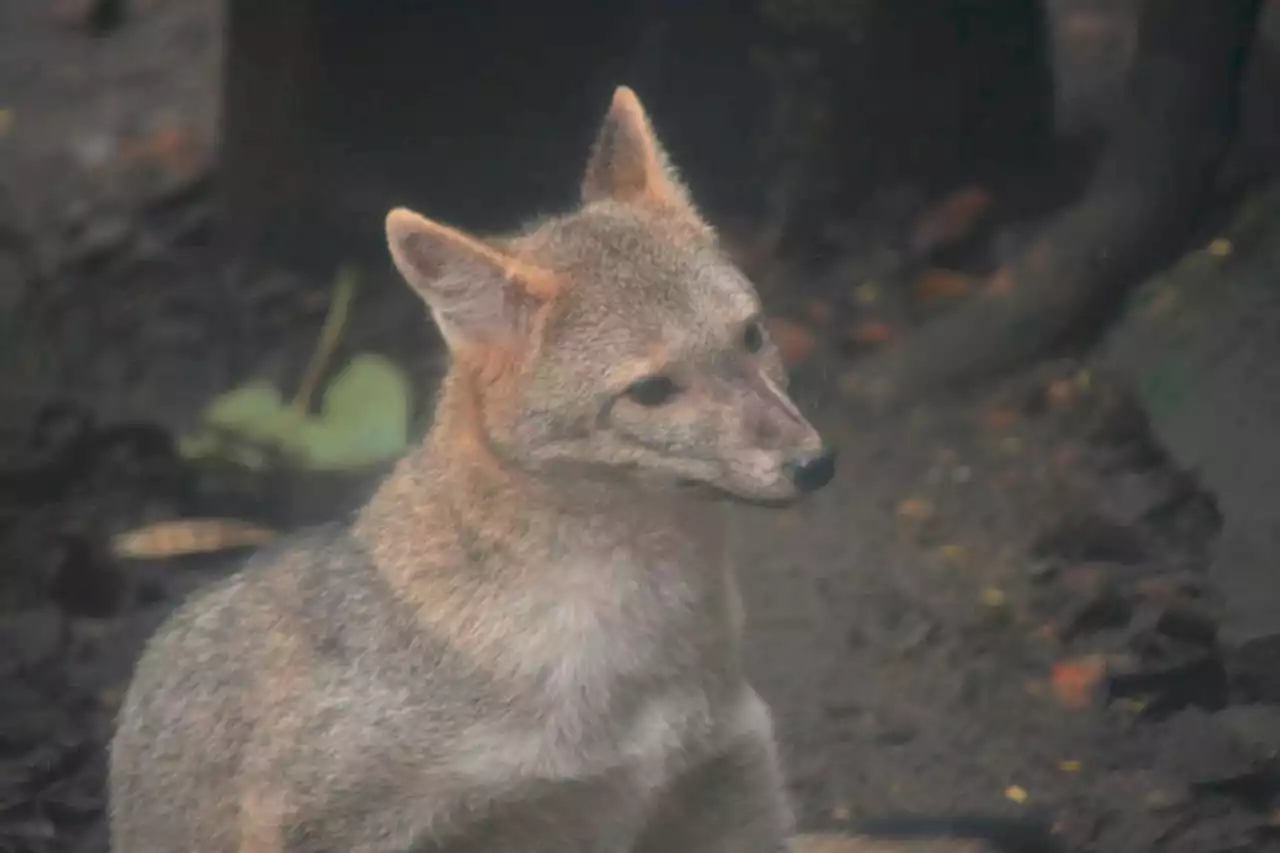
{"points": [[650, 742], [637, 675]]}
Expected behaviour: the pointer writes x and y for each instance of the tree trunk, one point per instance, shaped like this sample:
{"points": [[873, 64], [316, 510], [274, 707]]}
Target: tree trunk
{"points": [[1158, 169]]}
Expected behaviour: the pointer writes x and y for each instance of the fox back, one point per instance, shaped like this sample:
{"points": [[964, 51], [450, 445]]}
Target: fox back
{"points": [[528, 639]]}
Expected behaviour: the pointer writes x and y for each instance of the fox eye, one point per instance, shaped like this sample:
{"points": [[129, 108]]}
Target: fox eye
{"points": [[652, 391], [753, 336]]}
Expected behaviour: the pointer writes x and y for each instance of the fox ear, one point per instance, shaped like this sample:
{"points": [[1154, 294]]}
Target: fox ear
{"points": [[627, 162], [476, 293]]}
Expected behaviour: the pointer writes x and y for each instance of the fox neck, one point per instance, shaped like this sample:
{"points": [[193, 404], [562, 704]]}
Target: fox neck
{"points": [[455, 480], [551, 586]]}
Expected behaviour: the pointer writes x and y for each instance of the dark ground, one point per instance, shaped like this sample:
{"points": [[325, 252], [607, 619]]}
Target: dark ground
{"points": [[1003, 607]]}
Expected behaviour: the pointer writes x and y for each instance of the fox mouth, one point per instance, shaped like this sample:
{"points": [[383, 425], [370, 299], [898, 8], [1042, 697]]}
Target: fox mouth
{"points": [[724, 495]]}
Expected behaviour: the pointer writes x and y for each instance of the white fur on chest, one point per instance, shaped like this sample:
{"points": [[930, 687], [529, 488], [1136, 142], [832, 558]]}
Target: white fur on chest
{"points": [[593, 637], [606, 619], [664, 735]]}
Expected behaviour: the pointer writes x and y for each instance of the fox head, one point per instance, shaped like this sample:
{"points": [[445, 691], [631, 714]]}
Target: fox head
{"points": [[617, 340]]}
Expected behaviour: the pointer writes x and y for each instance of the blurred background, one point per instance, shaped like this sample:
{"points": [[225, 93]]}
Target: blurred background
{"points": [[1022, 257]]}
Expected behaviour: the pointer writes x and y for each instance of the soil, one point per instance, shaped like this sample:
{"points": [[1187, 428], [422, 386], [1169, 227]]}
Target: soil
{"points": [[997, 622]]}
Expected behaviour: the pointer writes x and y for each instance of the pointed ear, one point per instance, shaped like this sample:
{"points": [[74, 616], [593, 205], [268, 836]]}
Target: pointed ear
{"points": [[627, 162], [476, 293]]}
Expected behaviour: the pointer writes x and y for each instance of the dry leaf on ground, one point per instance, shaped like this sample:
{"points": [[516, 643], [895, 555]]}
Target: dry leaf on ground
{"points": [[871, 332], [914, 509], [171, 148], [1076, 682], [185, 536], [999, 418], [1220, 247], [938, 285]]}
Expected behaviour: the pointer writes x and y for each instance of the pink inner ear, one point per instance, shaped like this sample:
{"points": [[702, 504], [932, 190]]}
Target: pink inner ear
{"points": [[423, 254]]}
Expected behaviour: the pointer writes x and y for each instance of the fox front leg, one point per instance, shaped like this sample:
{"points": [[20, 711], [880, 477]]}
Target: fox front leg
{"points": [[735, 802]]}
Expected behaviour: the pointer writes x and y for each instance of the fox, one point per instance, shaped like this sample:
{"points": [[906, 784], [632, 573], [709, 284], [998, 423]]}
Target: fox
{"points": [[528, 640]]}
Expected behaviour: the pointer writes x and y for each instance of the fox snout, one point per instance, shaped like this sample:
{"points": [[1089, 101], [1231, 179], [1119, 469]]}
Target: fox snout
{"points": [[780, 455], [809, 472]]}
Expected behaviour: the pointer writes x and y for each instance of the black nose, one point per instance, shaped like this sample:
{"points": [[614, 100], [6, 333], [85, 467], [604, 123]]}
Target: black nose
{"points": [[812, 471]]}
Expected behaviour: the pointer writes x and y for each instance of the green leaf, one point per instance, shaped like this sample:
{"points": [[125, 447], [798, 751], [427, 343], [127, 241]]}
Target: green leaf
{"points": [[364, 418], [255, 412], [236, 422]]}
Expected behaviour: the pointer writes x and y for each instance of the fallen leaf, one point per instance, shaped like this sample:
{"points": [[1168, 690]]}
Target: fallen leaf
{"points": [[795, 342], [871, 332], [6, 121], [1075, 682], [1001, 284], [1047, 633], [938, 285], [170, 148], [185, 536], [1016, 793], [1069, 766], [914, 509], [1162, 303], [1000, 418], [950, 220], [1062, 392], [954, 554], [1011, 445], [866, 294], [993, 597], [1220, 247]]}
